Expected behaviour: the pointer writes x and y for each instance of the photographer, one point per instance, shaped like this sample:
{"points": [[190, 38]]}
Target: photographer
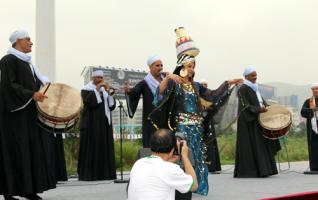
{"points": [[156, 176]]}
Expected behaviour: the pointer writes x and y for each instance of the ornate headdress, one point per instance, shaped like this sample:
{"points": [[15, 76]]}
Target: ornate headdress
{"points": [[186, 50], [184, 44]]}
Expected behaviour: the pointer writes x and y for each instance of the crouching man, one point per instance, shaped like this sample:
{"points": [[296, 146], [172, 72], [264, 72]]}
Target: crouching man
{"points": [[156, 176]]}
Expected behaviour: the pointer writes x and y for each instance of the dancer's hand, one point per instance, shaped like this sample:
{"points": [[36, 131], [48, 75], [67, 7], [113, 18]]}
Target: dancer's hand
{"points": [[235, 81], [176, 78]]}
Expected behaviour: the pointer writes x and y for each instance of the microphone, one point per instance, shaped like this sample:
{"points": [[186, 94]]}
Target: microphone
{"points": [[112, 90]]}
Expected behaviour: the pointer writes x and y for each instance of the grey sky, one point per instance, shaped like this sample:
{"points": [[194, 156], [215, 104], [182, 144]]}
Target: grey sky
{"points": [[278, 37]]}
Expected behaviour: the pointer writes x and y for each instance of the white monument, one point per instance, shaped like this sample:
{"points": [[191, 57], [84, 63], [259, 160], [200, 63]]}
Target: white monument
{"points": [[45, 38]]}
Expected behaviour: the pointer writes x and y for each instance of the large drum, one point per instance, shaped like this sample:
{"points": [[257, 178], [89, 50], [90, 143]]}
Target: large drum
{"points": [[275, 122], [60, 111]]}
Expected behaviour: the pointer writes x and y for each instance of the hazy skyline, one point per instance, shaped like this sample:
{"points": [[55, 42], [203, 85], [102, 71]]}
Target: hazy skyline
{"points": [[277, 37]]}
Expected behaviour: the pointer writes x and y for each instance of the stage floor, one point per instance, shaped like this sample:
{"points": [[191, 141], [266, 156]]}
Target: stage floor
{"points": [[222, 186]]}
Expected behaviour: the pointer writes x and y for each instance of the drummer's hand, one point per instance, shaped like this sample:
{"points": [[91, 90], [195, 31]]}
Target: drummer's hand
{"points": [[38, 96], [126, 87], [263, 109]]}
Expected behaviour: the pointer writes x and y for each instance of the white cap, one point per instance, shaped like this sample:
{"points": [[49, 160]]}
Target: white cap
{"points": [[314, 85], [152, 59], [203, 81], [249, 70], [19, 34], [97, 73]]}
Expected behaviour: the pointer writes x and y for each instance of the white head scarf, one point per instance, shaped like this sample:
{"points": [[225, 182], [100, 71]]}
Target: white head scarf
{"points": [[152, 59], [19, 34], [97, 73], [253, 86], [203, 81], [314, 85], [108, 100], [249, 70]]}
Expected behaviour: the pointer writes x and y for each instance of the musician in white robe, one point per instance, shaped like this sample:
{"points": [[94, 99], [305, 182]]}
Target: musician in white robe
{"points": [[96, 160]]}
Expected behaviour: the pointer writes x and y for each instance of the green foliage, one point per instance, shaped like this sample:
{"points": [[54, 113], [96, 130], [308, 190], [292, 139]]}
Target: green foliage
{"points": [[129, 151], [294, 145], [71, 148], [137, 130]]}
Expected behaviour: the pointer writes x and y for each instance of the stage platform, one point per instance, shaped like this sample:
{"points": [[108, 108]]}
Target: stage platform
{"points": [[222, 186]]}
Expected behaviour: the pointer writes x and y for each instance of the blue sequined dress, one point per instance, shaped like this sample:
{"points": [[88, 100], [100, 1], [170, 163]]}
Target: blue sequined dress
{"points": [[185, 116], [189, 122]]}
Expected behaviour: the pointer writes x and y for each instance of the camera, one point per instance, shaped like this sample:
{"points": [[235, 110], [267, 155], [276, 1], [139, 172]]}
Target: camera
{"points": [[178, 149], [179, 138]]}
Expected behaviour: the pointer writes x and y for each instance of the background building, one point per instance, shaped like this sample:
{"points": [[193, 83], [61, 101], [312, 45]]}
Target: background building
{"points": [[267, 91], [116, 78], [289, 101]]}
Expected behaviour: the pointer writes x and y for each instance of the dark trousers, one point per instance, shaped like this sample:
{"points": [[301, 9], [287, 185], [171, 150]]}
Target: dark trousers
{"points": [[183, 196]]}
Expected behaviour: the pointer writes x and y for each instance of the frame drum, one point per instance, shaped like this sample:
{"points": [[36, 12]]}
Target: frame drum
{"points": [[60, 111], [275, 122]]}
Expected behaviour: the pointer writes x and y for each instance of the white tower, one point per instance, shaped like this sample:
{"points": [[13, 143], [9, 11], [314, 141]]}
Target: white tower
{"points": [[45, 38]]}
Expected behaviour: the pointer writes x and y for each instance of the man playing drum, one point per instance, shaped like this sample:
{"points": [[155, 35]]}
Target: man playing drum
{"points": [[310, 112], [254, 153], [22, 170]]}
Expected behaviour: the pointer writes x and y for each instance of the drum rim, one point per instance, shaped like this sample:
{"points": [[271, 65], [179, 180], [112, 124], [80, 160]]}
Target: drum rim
{"points": [[69, 122], [58, 119], [265, 135], [58, 122], [274, 129]]}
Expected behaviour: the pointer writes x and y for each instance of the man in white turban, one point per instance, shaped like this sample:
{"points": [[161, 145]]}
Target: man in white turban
{"points": [[97, 73], [310, 112], [96, 161], [248, 71], [255, 154], [18, 35], [23, 169], [147, 88]]}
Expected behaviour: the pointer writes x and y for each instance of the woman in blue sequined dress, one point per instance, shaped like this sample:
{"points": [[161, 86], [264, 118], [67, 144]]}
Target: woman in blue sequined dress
{"points": [[183, 98]]}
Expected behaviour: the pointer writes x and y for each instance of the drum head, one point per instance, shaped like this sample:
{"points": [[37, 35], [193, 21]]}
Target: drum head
{"points": [[276, 118], [63, 102]]}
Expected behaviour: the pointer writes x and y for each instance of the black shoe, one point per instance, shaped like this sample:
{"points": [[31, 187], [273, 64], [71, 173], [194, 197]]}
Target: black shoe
{"points": [[6, 197], [32, 196]]}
